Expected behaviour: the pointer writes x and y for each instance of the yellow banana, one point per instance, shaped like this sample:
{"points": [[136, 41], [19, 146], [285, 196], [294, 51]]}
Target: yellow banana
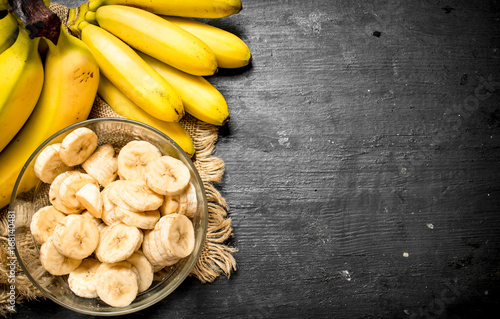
{"points": [[8, 30], [158, 38], [75, 16], [68, 93], [200, 98], [126, 108], [230, 51], [21, 80], [183, 8], [131, 75]]}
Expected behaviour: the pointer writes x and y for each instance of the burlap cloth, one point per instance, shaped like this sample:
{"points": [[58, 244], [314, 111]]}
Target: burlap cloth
{"points": [[216, 257]]}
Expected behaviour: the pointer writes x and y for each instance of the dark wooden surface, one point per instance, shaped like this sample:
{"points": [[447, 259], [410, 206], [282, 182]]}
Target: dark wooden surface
{"points": [[362, 164]]}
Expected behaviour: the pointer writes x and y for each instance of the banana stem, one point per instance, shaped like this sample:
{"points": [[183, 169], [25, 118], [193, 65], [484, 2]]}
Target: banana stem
{"points": [[37, 18]]}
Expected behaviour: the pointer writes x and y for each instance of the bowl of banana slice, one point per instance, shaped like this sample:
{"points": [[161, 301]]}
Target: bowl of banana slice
{"points": [[110, 217]]}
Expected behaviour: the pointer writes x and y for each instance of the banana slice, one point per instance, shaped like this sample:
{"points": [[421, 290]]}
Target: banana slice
{"points": [[77, 146], [117, 283], [176, 235], [72, 184], [137, 195], [102, 165], [191, 201], [108, 209], [133, 158], [152, 252], [54, 262], [118, 242], [49, 164], [114, 194], [82, 280], [90, 198], [97, 221], [185, 203], [76, 236], [55, 197], [167, 175], [43, 223], [144, 268], [142, 220]]}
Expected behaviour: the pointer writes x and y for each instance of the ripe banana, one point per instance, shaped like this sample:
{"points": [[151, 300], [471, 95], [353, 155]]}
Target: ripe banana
{"points": [[21, 80], [183, 8], [134, 77], [159, 38], [71, 80], [230, 51], [123, 106], [200, 98], [8, 30]]}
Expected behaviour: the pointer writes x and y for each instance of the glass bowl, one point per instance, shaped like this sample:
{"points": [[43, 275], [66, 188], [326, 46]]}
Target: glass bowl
{"points": [[30, 194]]}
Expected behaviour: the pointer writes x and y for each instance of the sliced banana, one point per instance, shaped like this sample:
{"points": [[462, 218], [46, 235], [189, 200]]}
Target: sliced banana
{"points": [[114, 194], [142, 220], [145, 270], [49, 164], [151, 250], [82, 280], [54, 196], [54, 262], [102, 165], [176, 235], [167, 175], [118, 242], [117, 283], [76, 236], [43, 223], [137, 195], [133, 158], [90, 198], [108, 209], [97, 221], [191, 201], [72, 184], [77, 146]]}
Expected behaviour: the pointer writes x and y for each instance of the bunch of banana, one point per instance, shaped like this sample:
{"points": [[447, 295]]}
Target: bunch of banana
{"points": [[40, 96], [158, 58]]}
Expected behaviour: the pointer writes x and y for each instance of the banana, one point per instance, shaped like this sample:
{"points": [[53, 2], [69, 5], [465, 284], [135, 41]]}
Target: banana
{"points": [[167, 175], [184, 8], [108, 208], [76, 236], [8, 29], [176, 235], [54, 262], [48, 164], [142, 220], [82, 280], [118, 242], [102, 165], [55, 197], [144, 268], [43, 223], [159, 38], [70, 85], [117, 284], [70, 186], [137, 195], [21, 80], [112, 192], [192, 201], [97, 221], [131, 75], [77, 146], [230, 51], [75, 17], [123, 106], [133, 158], [90, 198], [199, 97]]}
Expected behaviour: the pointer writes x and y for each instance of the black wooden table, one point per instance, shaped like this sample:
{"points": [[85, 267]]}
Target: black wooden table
{"points": [[362, 164]]}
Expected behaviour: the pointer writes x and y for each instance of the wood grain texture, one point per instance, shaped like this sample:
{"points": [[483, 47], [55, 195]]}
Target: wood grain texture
{"points": [[362, 164]]}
